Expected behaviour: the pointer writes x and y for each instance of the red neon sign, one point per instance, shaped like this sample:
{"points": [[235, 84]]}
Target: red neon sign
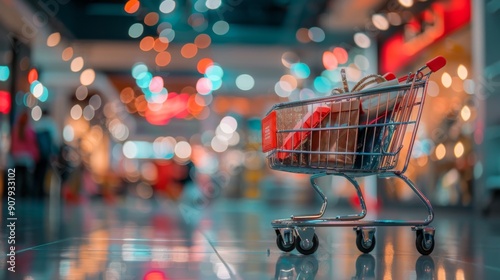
{"points": [[430, 26], [5, 102]]}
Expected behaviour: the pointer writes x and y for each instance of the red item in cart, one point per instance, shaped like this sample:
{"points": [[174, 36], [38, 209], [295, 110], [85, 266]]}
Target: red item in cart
{"points": [[269, 132], [311, 120]]}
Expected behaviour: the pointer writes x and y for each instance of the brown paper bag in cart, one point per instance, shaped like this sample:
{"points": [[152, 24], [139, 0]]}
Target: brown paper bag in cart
{"points": [[338, 140]]}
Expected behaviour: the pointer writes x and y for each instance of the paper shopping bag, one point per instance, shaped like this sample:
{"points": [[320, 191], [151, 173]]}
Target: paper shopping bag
{"points": [[335, 146]]}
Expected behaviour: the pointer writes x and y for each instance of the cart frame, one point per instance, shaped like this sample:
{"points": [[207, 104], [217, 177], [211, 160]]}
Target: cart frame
{"points": [[298, 231]]}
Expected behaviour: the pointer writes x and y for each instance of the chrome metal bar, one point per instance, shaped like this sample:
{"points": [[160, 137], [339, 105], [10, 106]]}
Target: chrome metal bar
{"points": [[361, 215], [284, 223], [321, 194], [420, 195]]}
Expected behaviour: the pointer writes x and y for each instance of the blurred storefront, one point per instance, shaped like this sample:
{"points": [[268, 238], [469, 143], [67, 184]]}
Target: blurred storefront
{"points": [[445, 154]]}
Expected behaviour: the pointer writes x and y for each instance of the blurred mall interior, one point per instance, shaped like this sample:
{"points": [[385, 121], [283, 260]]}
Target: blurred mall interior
{"points": [[131, 130]]}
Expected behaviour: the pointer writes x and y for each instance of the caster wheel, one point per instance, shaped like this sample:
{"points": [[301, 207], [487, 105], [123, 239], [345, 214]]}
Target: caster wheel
{"points": [[307, 247], [364, 247], [423, 247], [281, 244]]}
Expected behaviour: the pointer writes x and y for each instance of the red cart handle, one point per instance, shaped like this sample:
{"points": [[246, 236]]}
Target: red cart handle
{"points": [[436, 63]]}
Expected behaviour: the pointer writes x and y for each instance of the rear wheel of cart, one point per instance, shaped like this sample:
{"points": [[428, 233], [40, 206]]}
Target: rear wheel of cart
{"points": [[307, 247], [364, 246], [282, 246], [425, 246]]}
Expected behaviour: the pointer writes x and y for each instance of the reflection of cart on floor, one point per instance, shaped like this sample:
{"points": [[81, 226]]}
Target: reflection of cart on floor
{"points": [[351, 135]]}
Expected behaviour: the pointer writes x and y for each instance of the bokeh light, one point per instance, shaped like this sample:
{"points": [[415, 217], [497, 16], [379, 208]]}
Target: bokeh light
{"points": [[380, 22], [202, 41], [289, 58], [81, 92], [459, 149], [446, 80], [67, 54], [167, 35], [183, 149], [213, 4], [362, 40], [462, 72], [406, 3], [440, 151], [32, 75], [88, 113], [341, 55], [329, 60], [95, 101], [204, 86], [147, 43], [151, 19], [160, 45], [87, 77], [163, 59], [288, 82], [54, 39], [316, 34], [76, 112], [203, 64], [465, 113], [167, 6], [300, 70], [220, 27], [228, 124], [189, 50], [36, 113], [214, 72], [302, 35], [135, 30], [245, 82], [132, 6], [4, 73], [77, 64]]}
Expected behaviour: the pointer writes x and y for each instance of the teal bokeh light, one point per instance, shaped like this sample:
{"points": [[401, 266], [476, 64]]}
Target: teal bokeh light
{"points": [[322, 84], [214, 72], [300, 70], [138, 70], [4, 73]]}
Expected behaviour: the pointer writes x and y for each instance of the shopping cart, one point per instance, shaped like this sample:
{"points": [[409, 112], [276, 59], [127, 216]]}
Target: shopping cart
{"points": [[353, 134]]}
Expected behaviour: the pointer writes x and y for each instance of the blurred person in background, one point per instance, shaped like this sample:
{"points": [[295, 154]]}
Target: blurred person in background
{"points": [[25, 154], [47, 136]]}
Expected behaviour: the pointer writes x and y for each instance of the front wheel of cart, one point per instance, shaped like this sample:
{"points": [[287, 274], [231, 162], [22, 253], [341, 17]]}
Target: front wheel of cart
{"points": [[425, 246], [282, 246], [365, 246], [307, 247]]}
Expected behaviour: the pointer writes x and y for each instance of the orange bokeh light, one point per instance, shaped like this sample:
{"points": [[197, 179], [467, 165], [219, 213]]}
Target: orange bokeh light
{"points": [[163, 58], [32, 75], [330, 61], [189, 50], [132, 6], [302, 35], [160, 45], [202, 41], [147, 43], [127, 95], [203, 65], [341, 55], [151, 19]]}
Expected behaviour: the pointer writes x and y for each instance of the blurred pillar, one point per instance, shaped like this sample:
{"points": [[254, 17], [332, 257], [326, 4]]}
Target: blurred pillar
{"points": [[486, 59]]}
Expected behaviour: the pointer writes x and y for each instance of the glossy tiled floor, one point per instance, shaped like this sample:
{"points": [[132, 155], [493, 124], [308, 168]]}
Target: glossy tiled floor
{"points": [[231, 239]]}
